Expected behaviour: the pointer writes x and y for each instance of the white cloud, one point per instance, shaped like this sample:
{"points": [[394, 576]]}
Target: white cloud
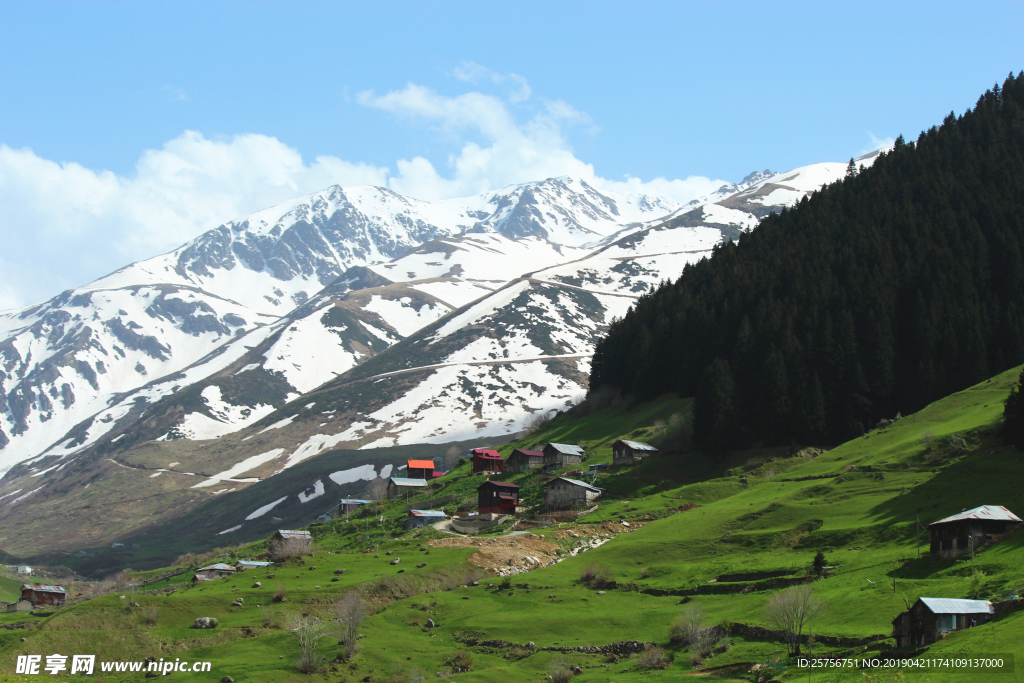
{"points": [[63, 225], [877, 143], [471, 72], [510, 152]]}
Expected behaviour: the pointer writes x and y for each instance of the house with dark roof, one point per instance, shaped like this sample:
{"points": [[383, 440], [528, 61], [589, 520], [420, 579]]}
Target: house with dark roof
{"points": [[929, 618], [570, 493], [499, 497], [559, 455], [626, 452], [970, 529], [487, 460], [522, 460]]}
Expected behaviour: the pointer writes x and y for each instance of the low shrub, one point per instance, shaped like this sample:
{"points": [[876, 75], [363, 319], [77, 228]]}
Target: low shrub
{"points": [[654, 658]]}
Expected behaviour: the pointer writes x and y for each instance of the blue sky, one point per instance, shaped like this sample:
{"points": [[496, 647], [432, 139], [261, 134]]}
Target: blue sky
{"points": [[134, 126]]}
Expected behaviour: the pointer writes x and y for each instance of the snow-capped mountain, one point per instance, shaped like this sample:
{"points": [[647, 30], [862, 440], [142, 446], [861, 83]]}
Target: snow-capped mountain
{"points": [[69, 359], [353, 318]]}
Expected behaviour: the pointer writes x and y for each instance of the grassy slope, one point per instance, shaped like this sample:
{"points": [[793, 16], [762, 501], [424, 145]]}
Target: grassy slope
{"points": [[768, 523], [10, 589]]}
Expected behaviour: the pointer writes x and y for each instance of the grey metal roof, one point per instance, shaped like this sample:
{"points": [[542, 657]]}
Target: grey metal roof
{"points": [[402, 481], [220, 566], [43, 588], [577, 482], [355, 501], [254, 563], [639, 445], [993, 512], [291, 532], [566, 448], [428, 513], [956, 606]]}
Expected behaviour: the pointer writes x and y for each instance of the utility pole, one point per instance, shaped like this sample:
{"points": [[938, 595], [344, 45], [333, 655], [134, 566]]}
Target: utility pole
{"points": [[919, 535]]}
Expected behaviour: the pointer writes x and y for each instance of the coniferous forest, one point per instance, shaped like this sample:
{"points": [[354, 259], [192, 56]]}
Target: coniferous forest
{"points": [[899, 285]]}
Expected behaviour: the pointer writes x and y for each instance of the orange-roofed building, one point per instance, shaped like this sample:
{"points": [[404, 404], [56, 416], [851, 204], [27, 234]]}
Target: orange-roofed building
{"points": [[420, 469]]}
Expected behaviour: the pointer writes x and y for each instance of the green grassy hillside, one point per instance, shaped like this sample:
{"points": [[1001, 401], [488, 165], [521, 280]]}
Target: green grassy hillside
{"points": [[758, 511]]}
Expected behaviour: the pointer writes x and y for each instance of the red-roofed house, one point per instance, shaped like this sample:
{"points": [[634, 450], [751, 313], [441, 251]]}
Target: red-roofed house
{"points": [[487, 460], [420, 469], [521, 460], [499, 497]]}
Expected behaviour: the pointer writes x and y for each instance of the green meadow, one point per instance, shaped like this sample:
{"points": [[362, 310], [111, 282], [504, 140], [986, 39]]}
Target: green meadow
{"points": [[694, 519]]}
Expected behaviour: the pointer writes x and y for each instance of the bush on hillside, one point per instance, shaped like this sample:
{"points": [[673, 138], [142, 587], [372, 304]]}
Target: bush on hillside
{"points": [[684, 630], [654, 658], [280, 549]]}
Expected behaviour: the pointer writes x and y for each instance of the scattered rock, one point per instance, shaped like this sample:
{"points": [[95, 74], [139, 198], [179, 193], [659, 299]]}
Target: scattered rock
{"points": [[121, 597], [335, 579], [205, 622], [316, 586], [465, 597], [312, 568], [227, 679], [421, 566], [237, 603], [396, 560], [24, 640], [600, 592], [270, 576], [133, 604], [390, 552], [430, 623], [257, 585], [339, 571], [377, 555], [401, 571]]}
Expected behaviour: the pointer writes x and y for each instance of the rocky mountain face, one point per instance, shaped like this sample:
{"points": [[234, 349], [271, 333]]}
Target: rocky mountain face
{"points": [[353, 318]]}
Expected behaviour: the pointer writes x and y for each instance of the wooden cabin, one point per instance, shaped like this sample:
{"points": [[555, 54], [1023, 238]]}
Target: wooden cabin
{"points": [[420, 469], [499, 497], [631, 452], [39, 594], [487, 460], [570, 493], [929, 618], [213, 572], [348, 505], [522, 460], [399, 486], [559, 455], [418, 518], [970, 529]]}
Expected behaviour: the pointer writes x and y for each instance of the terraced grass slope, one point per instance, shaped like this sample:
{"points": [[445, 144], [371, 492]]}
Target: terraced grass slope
{"points": [[755, 529]]}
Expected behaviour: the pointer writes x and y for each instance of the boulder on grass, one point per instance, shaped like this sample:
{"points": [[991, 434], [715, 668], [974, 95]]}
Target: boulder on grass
{"points": [[205, 622]]}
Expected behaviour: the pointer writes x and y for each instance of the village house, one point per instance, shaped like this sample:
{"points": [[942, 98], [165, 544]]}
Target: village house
{"points": [[19, 606], [499, 497], [213, 572], [487, 461], [43, 595], [399, 486], [970, 529], [20, 569], [631, 452], [242, 565], [569, 493], [420, 469], [348, 505], [289, 534], [929, 618], [522, 460], [418, 518], [559, 455]]}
